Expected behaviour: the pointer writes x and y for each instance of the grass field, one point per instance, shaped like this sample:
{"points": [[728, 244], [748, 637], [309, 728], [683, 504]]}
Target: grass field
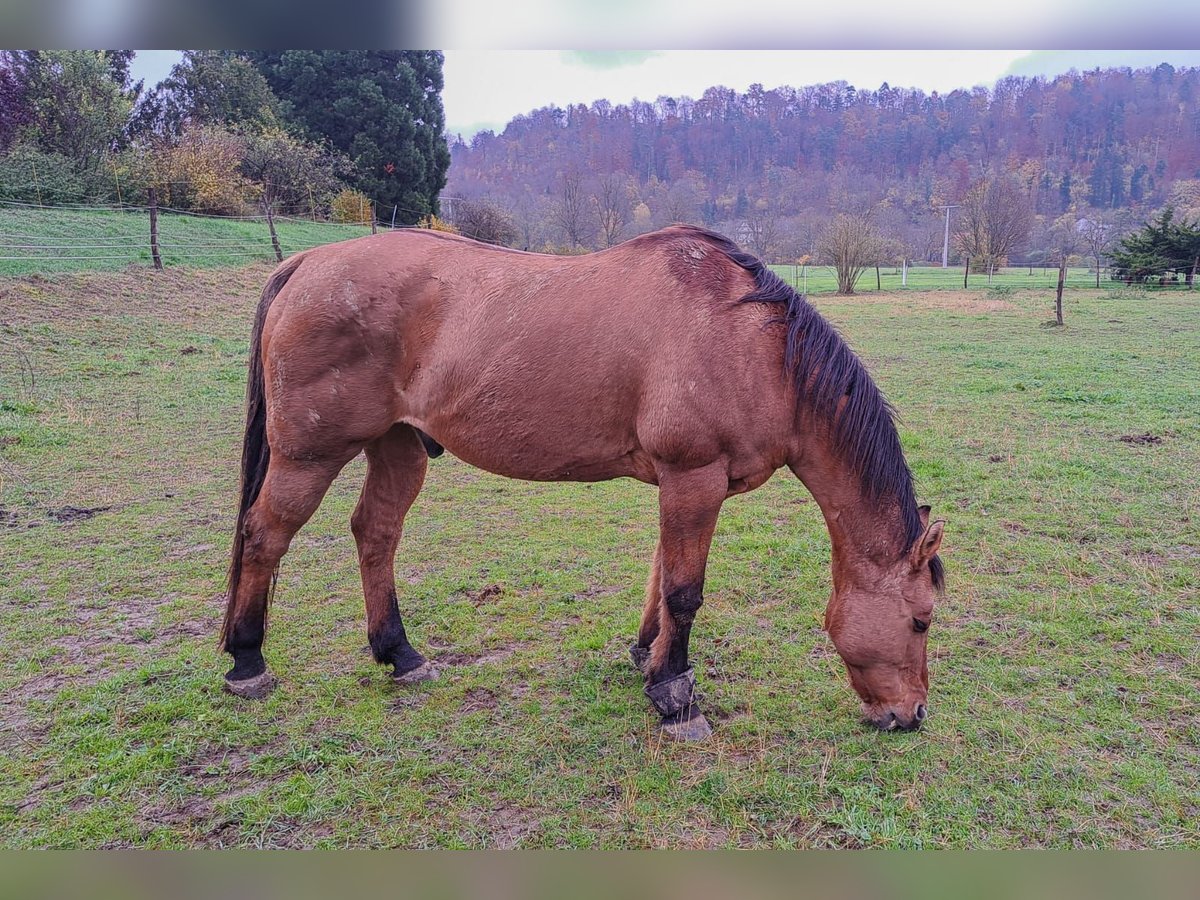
{"points": [[1065, 691], [35, 241], [823, 279]]}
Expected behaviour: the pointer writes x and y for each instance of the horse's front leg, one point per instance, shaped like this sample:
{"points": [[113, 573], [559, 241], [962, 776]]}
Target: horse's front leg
{"points": [[689, 503]]}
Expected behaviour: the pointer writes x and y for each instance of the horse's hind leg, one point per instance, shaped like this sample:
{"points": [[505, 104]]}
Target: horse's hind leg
{"points": [[291, 493], [689, 503], [640, 651], [395, 472]]}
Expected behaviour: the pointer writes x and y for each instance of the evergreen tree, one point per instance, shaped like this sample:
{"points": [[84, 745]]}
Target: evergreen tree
{"points": [[381, 108], [1164, 244]]}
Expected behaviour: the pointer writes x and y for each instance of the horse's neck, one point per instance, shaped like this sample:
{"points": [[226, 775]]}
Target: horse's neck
{"points": [[861, 529]]}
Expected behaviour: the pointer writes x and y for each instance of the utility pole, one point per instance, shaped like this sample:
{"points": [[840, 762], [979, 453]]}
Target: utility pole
{"points": [[946, 238]]}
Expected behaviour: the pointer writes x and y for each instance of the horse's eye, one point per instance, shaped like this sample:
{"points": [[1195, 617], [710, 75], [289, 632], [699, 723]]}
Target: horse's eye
{"points": [[919, 626]]}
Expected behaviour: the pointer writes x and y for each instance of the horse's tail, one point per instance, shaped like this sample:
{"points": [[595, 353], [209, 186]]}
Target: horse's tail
{"points": [[256, 453]]}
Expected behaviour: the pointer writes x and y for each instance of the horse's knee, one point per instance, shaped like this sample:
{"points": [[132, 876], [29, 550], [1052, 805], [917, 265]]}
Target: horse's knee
{"points": [[684, 602]]}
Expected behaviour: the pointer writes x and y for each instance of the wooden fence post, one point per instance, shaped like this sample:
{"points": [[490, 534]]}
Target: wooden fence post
{"points": [[373, 217], [966, 271], [271, 228], [152, 196], [1062, 276]]}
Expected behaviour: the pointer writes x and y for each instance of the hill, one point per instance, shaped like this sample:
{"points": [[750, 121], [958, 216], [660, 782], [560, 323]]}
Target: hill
{"points": [[771, 166]]}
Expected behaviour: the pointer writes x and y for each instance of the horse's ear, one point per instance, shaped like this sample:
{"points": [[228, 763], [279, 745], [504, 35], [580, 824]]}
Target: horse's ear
{"points": [[923, 512], [927, 545]]}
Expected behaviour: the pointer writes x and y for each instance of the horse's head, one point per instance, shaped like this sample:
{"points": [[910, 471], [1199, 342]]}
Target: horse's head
{"points": [[877, 618]]}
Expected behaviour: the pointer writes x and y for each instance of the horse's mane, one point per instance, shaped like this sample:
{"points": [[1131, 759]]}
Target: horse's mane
{"points": [[834, 387]]}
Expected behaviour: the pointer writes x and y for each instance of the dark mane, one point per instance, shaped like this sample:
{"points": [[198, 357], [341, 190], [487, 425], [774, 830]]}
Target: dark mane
{"points": [[827, 372]]}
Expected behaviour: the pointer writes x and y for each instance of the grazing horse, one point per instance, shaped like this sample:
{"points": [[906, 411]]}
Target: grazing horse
{"points": [[674, 358]]}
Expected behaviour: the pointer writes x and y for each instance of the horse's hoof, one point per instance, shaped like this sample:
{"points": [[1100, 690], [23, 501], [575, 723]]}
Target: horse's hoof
{"points": [[424, 672], [690, 731], [255, 688], [640, 657]]}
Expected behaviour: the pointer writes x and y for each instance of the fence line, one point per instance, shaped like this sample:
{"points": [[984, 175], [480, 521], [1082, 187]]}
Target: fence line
{"points": [[163, 245]]}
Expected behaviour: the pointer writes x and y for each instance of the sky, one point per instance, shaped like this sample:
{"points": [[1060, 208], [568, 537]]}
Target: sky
{"points": [[486, 88]]}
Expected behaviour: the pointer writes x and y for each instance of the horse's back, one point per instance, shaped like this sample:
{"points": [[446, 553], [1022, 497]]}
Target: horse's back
{"points": [[529, 365]]}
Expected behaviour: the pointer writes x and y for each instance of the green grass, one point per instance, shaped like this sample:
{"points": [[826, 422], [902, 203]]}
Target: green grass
{"points": [[1063, 663], [823, 279], [51, 241]]}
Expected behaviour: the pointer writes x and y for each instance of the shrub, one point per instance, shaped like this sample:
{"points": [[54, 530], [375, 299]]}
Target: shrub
{"points": [[433, 223], [351, 207], [35, 176], [201, 171]]}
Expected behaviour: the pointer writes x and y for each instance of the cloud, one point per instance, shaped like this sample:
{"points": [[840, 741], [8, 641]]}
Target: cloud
{"points": [[608, 59]]}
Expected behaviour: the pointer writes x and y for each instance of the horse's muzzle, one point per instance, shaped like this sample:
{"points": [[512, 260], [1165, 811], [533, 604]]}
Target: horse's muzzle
{"points": [[892, 721]]}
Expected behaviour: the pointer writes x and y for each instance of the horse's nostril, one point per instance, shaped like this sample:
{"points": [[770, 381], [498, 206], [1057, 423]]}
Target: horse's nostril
{"points": [[922, 712]]}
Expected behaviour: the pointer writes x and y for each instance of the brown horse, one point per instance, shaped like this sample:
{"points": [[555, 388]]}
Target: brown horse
{"points": [[674, 358]]}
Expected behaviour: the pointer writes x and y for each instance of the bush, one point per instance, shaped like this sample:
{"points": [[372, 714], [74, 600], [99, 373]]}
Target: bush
{"points": [[201, 171], [485, 221], [433, 223], [35, 176], [351, 207]]}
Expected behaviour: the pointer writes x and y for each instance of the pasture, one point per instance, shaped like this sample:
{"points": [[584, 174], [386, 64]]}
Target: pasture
{"points": [[35, 241], [1065, 687]]}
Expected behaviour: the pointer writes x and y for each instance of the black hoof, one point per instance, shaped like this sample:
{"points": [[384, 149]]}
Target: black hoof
{"points": [[640, 657], [424, 671], [255, 688]]}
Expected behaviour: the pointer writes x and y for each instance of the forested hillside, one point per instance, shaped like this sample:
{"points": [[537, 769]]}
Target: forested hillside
{"points": [[773, 166]]}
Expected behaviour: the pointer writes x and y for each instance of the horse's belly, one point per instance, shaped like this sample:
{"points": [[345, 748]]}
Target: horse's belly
{"points": [[558, 455], [538, 435]]}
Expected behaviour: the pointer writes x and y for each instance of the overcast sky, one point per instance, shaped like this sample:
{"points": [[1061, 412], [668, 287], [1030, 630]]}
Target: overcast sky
{"points": [[486, 88]]}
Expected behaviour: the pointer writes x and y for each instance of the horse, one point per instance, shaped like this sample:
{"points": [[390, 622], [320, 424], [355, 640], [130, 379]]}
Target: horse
{"points": [[674, 358]]}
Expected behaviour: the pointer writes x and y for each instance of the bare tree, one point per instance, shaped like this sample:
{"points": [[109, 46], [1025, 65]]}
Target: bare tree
{"points": [[570, 211], [1063, 240], [614, 206], [994, 221], [850, 244], [762, 232], [680, 200], [485, 221], [1098, 231]]}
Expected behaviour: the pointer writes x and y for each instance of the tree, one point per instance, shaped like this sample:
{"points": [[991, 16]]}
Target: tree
{"points": [[762, 231], [208, 87], [1097, 231], [570, 210], [994, 221], [15, 110], [1063, 239], [614, 206], [1163, 244], [484, 220], [292, 175], [79, 103], [850, 244], [381, 108]]}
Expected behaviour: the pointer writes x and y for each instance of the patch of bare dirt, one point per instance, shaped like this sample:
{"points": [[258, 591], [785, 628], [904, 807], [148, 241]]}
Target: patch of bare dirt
{"points": [[484, 658], [506, 826], [1141, 440], [195, 297], [971, 301], [76, 513], [478, 699], [486, 593]]}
